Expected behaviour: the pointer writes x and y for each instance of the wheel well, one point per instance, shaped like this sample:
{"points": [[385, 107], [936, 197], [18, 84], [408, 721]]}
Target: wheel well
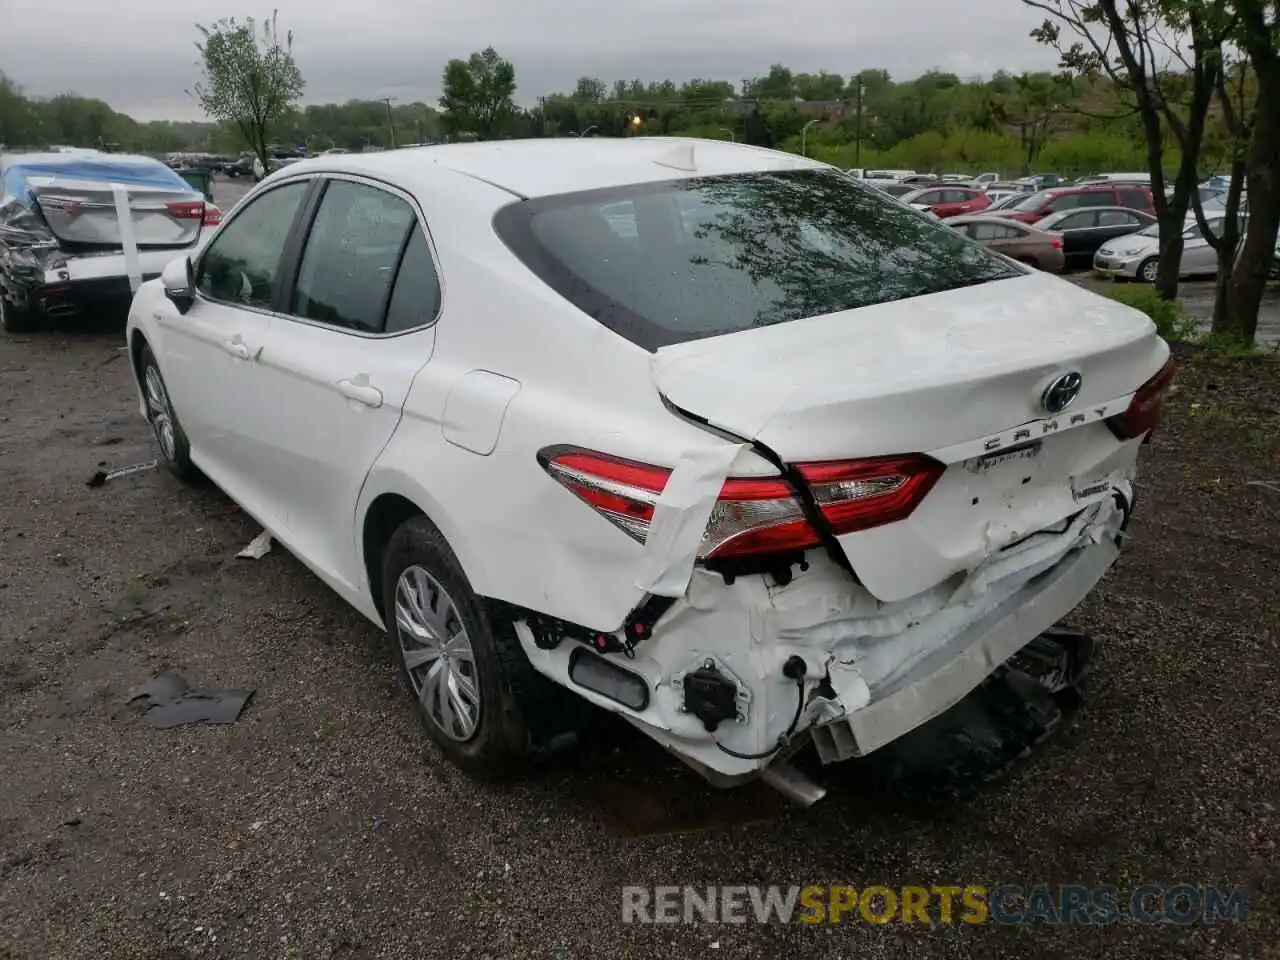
{"points": [[136, 342], [383, 518]]}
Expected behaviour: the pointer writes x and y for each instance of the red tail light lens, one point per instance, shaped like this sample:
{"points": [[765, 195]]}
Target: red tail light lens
{"points": [[1056, 243], [212, 215], [186, 211], [753, 515], [1147, 406]]}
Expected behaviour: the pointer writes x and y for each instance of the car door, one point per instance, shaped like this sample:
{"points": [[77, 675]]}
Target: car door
{"points": [[1198, 257], [1116, 223], [211, 353], [1079, 239], [358, 326]]}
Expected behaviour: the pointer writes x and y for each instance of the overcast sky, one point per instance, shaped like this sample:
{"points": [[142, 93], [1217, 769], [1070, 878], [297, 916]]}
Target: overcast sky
{"points": [[139, 55]]}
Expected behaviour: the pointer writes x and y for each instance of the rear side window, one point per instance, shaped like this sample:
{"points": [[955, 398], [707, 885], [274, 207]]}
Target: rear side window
{"points": [[1116, 218], [1137, 199], [242, 264], [669, 262], [352, 253], [415, 299]]}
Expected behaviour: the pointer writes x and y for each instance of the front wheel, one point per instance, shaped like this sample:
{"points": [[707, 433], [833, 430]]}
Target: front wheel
{"points": [[175, 451], [463, 669], [1148, 270]]}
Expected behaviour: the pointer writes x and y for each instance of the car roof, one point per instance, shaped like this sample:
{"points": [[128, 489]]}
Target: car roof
{"points": [[554, 165]]}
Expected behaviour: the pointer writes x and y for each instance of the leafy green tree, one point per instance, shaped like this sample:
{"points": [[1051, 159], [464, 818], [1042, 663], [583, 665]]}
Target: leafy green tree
{"points": [[479, 95], [1132, 42], [250, 79]]}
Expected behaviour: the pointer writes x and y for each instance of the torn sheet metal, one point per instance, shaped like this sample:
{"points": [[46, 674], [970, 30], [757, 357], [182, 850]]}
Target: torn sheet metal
{"points": [[853, 645], [170, 702], [680, 518]]}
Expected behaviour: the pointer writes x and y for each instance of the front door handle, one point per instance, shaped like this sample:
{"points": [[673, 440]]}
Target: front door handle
{"points": [[361, 391]]}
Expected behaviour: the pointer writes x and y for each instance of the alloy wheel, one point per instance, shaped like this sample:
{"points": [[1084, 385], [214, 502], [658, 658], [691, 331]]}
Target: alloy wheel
{"points": [[437, 654], [160, 412]]}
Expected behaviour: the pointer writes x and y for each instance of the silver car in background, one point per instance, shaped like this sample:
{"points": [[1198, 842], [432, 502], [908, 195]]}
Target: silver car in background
{"points": [[1137, 255]]}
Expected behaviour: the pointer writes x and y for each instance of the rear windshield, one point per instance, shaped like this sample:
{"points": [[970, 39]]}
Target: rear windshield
{"points": [[1034, 202], [669, 262]]}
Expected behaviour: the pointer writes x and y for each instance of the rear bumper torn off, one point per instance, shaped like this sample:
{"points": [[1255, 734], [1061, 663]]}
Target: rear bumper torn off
{"points": [[874, 670]]}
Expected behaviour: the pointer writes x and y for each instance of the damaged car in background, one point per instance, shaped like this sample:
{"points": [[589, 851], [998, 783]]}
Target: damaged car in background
{"points": [[77, 229], [709, 436]]}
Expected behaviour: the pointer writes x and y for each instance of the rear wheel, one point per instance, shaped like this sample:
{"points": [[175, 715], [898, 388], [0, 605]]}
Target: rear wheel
{"points": [[464, 669], [1148, 269], [15, 319], [175, 451]]}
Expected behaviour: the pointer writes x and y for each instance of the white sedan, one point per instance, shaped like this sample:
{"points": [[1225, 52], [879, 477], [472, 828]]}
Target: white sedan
{"points": [[710, 436]]}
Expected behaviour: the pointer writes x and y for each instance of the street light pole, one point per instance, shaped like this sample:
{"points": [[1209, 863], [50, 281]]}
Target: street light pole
{"points": [[391, 122], [857, 148], [804, 137]]}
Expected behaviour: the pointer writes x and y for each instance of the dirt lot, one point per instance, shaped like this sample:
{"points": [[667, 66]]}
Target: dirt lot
{"points": [[323, 824]]}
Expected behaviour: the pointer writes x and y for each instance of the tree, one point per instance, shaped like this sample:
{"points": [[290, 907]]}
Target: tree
{"points": [[479, 94], [1137, 45], [1256, 31], [250, 78]]}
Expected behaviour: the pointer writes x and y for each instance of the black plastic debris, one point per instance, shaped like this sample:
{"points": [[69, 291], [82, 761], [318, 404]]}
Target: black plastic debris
{"points": [[170, 702], [102, 476]]}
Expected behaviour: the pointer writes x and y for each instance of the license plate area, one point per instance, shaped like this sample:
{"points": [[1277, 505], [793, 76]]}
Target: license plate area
{"points": [[995, 461]]}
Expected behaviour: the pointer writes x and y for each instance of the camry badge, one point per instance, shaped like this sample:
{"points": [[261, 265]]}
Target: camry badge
{"points": [[1061, 393]]}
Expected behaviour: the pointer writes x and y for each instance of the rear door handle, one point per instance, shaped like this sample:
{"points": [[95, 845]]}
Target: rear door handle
{"points": [[364, 393], [237, 348]]}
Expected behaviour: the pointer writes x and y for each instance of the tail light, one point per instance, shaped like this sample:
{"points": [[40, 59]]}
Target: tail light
{"points": [[1056, 243], [185, 210], [753, 515], [212, 215], [1146, 407]]}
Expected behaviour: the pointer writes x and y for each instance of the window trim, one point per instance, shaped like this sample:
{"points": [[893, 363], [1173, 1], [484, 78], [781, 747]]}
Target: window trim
{"points": [[303, 234], [286, 263]]}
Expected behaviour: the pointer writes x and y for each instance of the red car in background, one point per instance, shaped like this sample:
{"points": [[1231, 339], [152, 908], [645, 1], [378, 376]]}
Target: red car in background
{"points": [[1037, 206], [948, 201]]}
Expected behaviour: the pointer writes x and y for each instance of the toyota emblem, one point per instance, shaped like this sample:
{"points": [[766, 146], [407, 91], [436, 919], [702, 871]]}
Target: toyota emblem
{"points": [[1061, 393]]}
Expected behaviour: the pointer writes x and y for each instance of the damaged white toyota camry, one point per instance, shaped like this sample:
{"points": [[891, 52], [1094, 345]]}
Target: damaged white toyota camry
{"points": [[713, 437]]}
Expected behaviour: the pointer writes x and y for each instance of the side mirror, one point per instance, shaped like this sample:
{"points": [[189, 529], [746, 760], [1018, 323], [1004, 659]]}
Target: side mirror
{"points": [[179, 281]]}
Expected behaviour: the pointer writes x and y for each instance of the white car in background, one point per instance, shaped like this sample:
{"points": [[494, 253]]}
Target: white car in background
{"points": [[707, 435]]}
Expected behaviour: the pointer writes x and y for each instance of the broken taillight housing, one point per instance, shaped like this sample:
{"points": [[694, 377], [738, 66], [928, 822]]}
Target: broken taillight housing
{"points": [[1146, 407], [186, 210], [753, 515]]}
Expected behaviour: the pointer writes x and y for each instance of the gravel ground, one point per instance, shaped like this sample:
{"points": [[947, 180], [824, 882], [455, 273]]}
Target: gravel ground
{"points": [[324, 825]]}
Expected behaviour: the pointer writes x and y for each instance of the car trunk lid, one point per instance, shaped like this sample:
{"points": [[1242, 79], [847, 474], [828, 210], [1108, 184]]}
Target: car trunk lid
{"points": [[959, 375], [85, 213]]}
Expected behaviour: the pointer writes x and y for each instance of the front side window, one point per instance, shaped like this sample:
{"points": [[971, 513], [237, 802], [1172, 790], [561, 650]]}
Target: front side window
{"points": [[353, 249], [1116, 218], [696, 258], [242, 264]]}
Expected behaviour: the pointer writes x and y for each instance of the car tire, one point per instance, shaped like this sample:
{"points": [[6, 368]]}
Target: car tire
{"points": [[465, 669], [175, 450], [14, 319], [1148, 269]]}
